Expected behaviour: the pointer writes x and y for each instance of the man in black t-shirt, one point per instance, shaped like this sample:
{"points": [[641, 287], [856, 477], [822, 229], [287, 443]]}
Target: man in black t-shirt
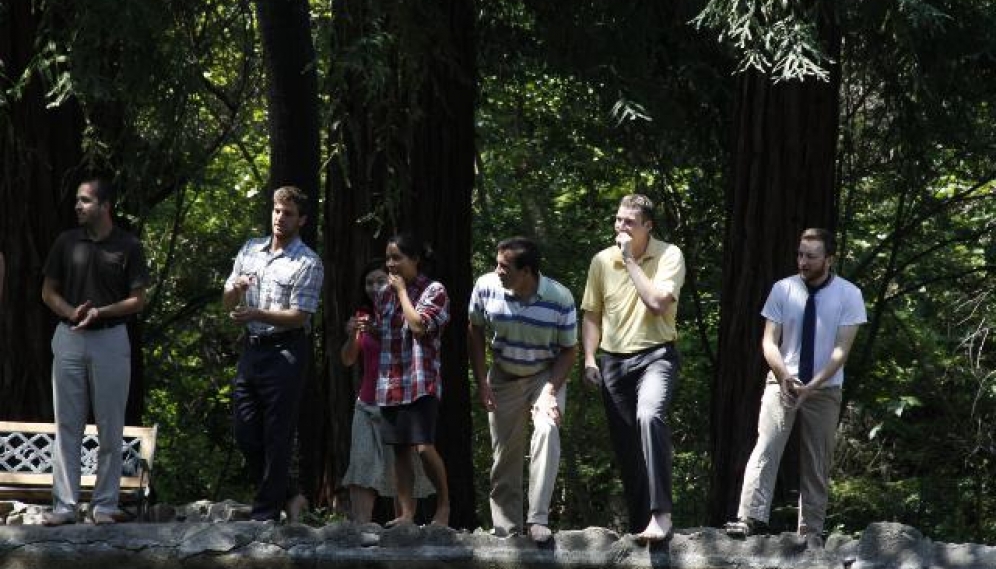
{"points": [[95, 279]]}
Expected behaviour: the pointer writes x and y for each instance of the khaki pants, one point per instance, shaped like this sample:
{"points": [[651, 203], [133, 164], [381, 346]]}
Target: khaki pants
{"points": [[514, 399], [818, 423]]}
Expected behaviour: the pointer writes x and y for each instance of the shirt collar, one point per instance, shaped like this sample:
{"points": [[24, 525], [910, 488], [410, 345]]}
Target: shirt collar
{"points": [[542, 290], [290, 250]]}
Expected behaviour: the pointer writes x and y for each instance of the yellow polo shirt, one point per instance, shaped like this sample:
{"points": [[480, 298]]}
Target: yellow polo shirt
{"points": [[627, 325]]}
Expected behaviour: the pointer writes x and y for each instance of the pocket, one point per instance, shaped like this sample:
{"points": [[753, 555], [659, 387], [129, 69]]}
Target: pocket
{"points": [[280, 294]]}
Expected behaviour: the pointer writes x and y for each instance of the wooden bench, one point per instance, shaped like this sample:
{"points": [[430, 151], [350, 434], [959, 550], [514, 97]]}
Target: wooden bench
{"points": [[26, 463]]}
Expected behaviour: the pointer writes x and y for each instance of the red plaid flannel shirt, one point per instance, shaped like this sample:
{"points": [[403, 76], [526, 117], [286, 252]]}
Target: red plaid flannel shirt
{"points": [[409, 363]]}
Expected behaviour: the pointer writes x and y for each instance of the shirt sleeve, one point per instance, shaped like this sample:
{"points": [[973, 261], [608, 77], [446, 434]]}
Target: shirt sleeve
{"points": [[236, 268], [670, 275], [307, 286], [434, 307], [773, 305], [138, 270], [475, 310], [593, 293], [568, 327], [53, 263], [854, 308]]}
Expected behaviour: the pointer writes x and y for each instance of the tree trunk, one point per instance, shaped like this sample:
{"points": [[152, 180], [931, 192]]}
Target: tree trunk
{"points": [[439, 209], [782, 181], [354, 187], [40, 154], [292, 92], [404, 161]]}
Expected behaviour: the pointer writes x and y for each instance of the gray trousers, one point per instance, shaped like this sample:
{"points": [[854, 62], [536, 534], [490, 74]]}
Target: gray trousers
{"points": [[89, 365], [509, 422], [637, 391], [817, 418]]}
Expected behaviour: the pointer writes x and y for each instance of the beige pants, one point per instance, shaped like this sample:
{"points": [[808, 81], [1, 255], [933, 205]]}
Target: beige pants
{"points": [[817, 418], [514, 399]]}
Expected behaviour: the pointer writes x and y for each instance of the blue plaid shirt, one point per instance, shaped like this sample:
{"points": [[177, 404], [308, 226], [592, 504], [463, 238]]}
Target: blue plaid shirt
{"points": [[291, 278]]}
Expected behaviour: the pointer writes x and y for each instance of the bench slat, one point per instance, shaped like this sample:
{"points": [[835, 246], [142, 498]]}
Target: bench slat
{"points": [[15, 484]]}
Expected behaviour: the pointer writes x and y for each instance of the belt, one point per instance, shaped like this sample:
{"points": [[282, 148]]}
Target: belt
{"points": [[95, 325], [640, 352], [275, 338]]}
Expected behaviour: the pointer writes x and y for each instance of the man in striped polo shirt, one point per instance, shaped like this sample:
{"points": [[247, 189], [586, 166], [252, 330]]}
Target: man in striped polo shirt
{"points": [[532, 325]]}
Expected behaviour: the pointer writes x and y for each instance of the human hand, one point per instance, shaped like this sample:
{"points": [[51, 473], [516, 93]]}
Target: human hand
{"points": [[397, 282], [592, 375], [80, 312], [623, 241], [801, 391], [91, 314], [243, 282], [486, 395], [244, 314], [359, 324], [547, 405], [787, 387]]}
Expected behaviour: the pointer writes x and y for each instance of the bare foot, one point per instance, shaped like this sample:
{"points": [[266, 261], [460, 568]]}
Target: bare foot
{"points": [[657, 530], [400, 520], [442, 517], [540, 533], [294, 507]]}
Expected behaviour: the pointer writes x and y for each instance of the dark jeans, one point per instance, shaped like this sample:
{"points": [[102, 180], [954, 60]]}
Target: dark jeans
{"points": [[266, 396], [637, 390]]}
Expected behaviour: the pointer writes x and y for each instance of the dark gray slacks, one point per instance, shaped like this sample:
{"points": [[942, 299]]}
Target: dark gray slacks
{"points": [[637, 390]]}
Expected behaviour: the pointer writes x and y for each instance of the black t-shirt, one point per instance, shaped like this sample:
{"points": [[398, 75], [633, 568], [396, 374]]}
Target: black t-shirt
{"points": [[103, 272]]}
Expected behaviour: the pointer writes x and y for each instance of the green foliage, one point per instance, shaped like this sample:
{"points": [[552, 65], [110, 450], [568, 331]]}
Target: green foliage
{"points": [[580, 103], [558, 146], [776, 37]]}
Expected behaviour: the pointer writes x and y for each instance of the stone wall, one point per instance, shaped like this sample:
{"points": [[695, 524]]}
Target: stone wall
{"points": [[250, 545]]}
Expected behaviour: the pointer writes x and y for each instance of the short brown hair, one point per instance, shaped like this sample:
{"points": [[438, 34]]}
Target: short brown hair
{"points": [[293, 194], [823, 236], [640, 202]]}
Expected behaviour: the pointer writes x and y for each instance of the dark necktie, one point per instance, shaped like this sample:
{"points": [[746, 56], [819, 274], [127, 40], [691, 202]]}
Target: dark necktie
{"points": [[809, 332]]}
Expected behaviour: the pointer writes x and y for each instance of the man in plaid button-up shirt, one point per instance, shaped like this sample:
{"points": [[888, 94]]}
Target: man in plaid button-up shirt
{"points": [[273, 291]]}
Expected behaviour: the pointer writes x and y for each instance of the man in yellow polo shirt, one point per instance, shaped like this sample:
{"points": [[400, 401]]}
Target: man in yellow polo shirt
{"points": [[630, 302]]}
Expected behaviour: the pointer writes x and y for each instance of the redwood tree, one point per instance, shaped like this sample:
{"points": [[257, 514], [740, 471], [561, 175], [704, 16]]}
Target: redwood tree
{"points": [[39, 161], [782, 180], [439, 208], [292, 107], [403, 158]]}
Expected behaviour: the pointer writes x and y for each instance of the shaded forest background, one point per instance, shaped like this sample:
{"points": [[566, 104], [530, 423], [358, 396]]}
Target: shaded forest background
{"points": [[746, 120]]}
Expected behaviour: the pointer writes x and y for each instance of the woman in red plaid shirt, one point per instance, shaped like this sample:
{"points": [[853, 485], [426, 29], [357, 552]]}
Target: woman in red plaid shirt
{"points": [[412, 312]]}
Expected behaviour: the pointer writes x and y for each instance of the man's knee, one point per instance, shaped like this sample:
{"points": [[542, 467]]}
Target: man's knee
{"points": [[648, 417]]}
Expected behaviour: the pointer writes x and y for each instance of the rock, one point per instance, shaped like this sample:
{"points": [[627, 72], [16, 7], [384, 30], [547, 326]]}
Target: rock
{"points": [[213, 543], [229, 511], [162, 513]]}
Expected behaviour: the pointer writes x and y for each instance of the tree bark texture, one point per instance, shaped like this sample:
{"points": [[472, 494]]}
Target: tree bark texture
{"points": [[354, 188], [292, 94], [293, 121], [40, 154], [439, 209], [403, 160], [782, 180]]}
